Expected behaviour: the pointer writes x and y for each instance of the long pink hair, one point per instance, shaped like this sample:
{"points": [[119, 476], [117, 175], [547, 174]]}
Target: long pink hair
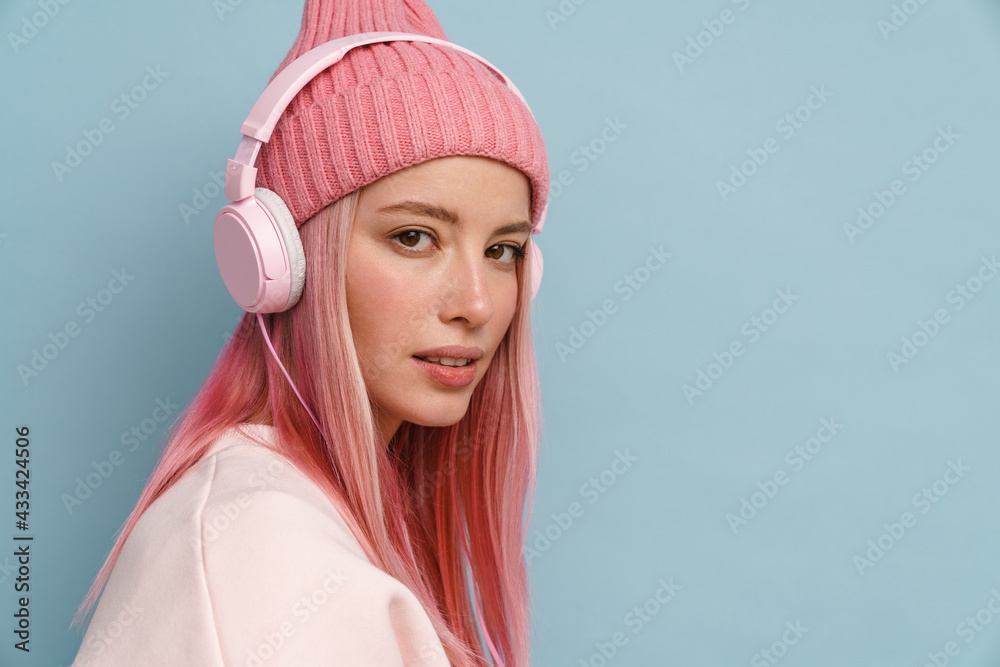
{"points": [[409, 503]]}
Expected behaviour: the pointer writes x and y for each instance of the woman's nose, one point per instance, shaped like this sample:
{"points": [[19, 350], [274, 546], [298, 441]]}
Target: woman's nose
{"points": [[465, 290]]}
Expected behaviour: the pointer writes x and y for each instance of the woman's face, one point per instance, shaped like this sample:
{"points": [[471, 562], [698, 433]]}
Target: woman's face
{"points": [[432, 262]]}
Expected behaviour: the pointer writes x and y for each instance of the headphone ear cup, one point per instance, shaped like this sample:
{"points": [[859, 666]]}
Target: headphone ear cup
{"points": [[536, 253], [541, 219], [259, 253], [536, 268], [293, 243]]}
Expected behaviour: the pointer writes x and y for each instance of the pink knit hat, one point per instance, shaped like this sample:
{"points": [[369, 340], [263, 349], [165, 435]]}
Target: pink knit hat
{"points": [[390, 105]]}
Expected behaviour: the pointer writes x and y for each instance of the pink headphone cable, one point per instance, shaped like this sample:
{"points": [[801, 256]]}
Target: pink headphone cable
{"points": [[267, 339]]}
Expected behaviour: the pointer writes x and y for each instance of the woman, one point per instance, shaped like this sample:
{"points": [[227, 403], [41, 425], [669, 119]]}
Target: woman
{"points": [[367, 508]]}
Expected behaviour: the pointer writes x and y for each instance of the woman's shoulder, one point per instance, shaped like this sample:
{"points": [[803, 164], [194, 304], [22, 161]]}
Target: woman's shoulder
{"points": [[243, 488], [244, 557], [251, 488]]}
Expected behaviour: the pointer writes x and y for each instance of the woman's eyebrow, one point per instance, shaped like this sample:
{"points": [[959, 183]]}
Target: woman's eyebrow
{"points": [[447, 215]]}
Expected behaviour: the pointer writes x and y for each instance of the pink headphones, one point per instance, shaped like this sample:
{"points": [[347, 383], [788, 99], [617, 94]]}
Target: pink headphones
{"points": [[257, 244]]}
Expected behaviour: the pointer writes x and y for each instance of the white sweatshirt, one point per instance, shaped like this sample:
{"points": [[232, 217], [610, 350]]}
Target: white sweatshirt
{"points": [[245, 562]]}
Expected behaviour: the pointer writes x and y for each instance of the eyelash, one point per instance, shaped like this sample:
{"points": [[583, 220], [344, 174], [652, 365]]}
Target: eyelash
{"points": [[518, 252]]}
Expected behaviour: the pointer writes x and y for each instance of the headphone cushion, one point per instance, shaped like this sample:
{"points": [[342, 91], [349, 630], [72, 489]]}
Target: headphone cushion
{"points": [[293, 243], [536, 268]]}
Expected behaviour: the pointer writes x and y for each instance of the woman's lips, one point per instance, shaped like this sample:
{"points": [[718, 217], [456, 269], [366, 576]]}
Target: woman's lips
{"points": [[448, 376]]}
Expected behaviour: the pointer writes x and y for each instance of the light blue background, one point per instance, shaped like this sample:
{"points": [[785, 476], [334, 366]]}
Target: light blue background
{"points": [[655, 184]]}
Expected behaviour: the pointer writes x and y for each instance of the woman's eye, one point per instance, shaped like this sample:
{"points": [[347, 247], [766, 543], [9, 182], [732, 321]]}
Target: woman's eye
{"points": [[514, 254], [410, 237]]}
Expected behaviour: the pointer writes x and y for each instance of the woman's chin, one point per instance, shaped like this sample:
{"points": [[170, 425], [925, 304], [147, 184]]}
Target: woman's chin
{"points": [[437, 411]]}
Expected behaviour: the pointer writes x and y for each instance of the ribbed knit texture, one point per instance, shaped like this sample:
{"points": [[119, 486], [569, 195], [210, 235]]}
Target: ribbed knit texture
{"points": [[390, 105]]}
